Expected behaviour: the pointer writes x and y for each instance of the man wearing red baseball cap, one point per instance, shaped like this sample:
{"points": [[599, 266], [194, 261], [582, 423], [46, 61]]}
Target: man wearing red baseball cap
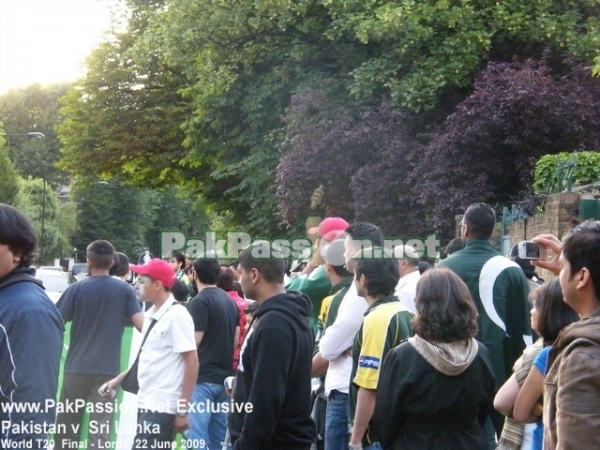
{"points": [[329, 228], [158, 269], [313, 281], [168, 361]]}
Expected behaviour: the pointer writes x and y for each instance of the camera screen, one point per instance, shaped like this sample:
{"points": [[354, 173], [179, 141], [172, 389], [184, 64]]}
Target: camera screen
{"points": [[532, 250]]}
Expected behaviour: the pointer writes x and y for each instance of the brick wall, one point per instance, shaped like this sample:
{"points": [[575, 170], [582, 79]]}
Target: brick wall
{"points": [[560, 209]]}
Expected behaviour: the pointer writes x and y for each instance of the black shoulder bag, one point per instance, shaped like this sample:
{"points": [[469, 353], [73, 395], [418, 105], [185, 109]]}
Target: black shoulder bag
{"points": [[130, 380]]}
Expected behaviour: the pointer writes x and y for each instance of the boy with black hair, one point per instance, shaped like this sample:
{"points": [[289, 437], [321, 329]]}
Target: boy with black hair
{"points": [[99, 308], [273, 377], [572, 386], [31, 338], [387, 322], [217, 330]]}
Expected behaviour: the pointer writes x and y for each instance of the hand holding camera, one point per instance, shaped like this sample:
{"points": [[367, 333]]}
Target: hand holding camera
{"points": [[546, 242]]}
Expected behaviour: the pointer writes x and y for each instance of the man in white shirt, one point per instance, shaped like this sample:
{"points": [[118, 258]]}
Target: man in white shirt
{"points": [[336, 343], [408, 264], [168, 361]]}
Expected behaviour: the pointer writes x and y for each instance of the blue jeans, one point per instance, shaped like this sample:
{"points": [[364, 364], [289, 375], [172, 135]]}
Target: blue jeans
{"points": [[373, 446], [208, 424], [336, 421]]}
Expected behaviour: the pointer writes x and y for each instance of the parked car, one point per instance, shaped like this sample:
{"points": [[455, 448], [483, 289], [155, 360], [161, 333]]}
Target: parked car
{"points": [[55, 282], [57, 268], [79, 270]]}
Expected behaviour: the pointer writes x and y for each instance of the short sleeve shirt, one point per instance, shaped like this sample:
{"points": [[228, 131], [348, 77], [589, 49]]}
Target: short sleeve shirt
{"points": [[215, 313], [541, 360], [160, 370], [99, 307], [387, 323]]}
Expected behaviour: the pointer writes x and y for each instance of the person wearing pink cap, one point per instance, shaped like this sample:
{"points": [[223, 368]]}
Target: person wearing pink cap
{"points": [[168, 362], [313, 280]]}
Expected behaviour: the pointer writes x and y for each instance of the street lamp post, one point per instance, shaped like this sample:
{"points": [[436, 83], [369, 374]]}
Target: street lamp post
{"points": [[42, 237]]}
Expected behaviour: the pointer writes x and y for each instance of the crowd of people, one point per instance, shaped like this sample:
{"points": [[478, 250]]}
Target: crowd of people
{"points": [[353, 351]]}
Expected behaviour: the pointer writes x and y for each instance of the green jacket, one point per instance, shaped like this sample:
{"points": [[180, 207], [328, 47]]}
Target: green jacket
{"points": [[316, 285], [499, 289]]}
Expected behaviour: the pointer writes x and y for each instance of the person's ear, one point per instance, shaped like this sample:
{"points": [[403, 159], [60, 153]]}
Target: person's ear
{"points": [[362, 280], [583, 278], [17, 258]]}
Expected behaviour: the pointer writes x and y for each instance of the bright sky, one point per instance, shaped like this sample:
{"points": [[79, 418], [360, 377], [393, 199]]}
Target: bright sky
{"points": [[47, 41]]}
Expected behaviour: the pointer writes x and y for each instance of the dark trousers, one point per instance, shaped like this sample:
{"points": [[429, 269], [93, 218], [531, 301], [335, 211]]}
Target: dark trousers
{"points": [[154, 430], [77, 391]]}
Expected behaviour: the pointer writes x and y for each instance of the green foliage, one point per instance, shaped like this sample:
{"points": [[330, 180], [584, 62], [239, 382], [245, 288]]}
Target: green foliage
{"points": [[42, 209], [596, 68], [8, 176], [33, 108], [420, 48], [193, 92], [130, 217], [118, 213], [552, 171]]}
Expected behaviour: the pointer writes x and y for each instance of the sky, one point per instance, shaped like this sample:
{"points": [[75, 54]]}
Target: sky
{"points": [[47, 41]]}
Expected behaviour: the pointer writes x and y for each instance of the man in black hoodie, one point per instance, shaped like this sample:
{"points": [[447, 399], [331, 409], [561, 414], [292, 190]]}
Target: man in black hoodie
{"points": [[272, 406]]}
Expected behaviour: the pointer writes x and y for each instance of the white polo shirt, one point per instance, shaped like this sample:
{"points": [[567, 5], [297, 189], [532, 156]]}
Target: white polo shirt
{"points": [[339, 337], [406, 290], [160, 371]]}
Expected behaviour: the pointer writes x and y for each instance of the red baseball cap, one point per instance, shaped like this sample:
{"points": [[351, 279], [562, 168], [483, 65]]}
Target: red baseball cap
{"points": [[158, 269], [328, 227]]}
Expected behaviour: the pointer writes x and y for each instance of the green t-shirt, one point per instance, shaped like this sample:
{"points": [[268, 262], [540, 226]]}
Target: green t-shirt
{"points": [[316, 285]]}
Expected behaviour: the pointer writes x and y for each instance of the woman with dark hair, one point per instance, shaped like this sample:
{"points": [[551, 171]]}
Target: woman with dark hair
{"points": [[551, 314], [434, 390]]}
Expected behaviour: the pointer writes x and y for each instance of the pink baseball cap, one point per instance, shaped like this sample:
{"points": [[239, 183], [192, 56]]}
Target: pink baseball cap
{"points": [[330, 228], [158, 269]]}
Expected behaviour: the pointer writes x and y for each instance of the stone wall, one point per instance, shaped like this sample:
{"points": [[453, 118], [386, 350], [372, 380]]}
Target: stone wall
{"points": [[560, 210]]}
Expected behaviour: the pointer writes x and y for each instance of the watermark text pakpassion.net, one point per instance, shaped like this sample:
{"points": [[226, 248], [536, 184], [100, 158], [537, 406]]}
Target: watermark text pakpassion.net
{"points": [[79, 406], [230, 246]]}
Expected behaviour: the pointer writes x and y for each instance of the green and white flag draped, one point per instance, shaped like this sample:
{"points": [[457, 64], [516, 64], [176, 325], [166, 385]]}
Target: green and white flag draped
{"points": [[125, 415], [123, 428]]}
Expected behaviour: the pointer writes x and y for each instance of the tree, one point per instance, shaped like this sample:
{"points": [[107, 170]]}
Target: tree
{"points": [[195, 91], [321, 147], [420, 49], [487, 149], [41, 207], [118, 213], [33, 108], [8, 176], [362, 155]]}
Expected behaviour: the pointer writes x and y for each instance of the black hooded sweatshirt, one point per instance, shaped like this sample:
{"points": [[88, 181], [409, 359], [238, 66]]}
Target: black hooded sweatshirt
{"points": [[273, 378]]}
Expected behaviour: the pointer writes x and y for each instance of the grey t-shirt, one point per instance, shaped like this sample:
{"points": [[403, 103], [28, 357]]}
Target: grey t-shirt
{"points": [[99, 308]]}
